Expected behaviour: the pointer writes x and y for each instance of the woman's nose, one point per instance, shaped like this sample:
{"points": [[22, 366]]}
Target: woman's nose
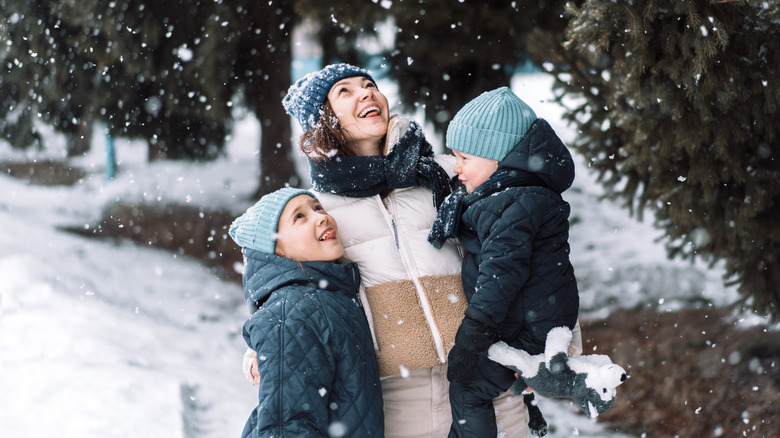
{"points": [[366, 93]]}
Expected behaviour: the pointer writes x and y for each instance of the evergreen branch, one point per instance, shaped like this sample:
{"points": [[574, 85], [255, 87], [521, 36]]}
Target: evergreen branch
{"points": [[633, 18]]}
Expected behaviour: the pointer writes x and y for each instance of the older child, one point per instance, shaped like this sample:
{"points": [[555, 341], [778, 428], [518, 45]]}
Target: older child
{"points": [[513, 225], [315, 352]]}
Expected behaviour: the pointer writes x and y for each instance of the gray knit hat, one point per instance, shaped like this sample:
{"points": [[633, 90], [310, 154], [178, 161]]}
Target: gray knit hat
{"points": [[490, 125], [306, 96], [257, 227]]}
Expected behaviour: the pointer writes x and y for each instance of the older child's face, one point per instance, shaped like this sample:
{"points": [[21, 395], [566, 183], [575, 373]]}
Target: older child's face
{"points": [[472, 170], [307, 233], [362, 111]]}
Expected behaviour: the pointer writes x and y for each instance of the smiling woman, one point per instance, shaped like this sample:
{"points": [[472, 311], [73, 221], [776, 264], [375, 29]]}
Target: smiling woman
{"points": [[362, 112]]}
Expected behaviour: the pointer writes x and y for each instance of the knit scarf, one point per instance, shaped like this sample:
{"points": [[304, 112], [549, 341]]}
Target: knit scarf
{"points": [[410, 163], [448, 218]]}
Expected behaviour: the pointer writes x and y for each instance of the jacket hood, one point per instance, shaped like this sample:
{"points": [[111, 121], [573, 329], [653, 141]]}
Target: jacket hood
{"points": [[542, 153], [265, 273]]}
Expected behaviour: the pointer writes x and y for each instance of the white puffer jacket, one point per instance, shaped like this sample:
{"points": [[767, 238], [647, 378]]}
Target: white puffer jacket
{"points": [[412, 292]]}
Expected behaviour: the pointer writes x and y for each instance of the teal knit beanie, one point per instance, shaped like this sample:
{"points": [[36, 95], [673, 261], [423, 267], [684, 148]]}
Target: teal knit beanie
{"points": [[306, 96], [257, 227], [490, 125]]}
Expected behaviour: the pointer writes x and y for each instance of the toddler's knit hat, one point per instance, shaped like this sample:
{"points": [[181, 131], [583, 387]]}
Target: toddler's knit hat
{"points": [[490, 125], [257, 227], [306, 96]]}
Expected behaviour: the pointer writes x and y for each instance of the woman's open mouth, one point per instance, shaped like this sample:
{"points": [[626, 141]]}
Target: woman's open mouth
{"points": [[368, 111]]}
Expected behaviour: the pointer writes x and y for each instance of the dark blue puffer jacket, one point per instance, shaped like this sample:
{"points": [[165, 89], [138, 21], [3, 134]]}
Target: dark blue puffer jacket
{"points": [[514, 229], [318, 370]]}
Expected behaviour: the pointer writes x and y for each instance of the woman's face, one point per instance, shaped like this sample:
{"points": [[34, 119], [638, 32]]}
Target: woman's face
{"points": [[307, 233], [362, 111]]}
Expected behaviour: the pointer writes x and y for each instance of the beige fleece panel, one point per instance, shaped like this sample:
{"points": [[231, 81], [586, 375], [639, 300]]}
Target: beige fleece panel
{"points": [[403, 334], [448, 302]]}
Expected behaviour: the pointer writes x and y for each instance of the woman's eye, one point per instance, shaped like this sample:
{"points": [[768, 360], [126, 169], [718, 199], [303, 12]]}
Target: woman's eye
{"points": [[298, 216], [370, 85]]}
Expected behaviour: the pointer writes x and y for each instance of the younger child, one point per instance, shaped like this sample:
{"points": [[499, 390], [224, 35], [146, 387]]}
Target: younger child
{"points": [[319, 375], [513, 225]]}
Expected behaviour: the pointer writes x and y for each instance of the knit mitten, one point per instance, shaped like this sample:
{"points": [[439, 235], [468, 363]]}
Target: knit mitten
{"points": [[475, 335]]}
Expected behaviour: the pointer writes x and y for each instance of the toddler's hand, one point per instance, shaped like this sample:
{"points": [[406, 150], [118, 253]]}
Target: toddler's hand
{"points": [[461, 364]]}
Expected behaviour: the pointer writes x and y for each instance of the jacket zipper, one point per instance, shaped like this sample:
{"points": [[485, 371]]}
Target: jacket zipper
{"points": [[406, 259], [395, 231]]}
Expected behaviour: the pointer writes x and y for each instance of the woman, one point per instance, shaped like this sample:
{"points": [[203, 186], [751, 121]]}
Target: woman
{"points": [[378, 177]]}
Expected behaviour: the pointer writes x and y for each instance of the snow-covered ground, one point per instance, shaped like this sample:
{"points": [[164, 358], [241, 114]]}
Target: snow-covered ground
{"points": [[102, 338]]}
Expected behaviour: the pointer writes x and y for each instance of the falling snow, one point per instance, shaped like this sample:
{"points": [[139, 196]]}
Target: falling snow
{"points": [[105, 336]]}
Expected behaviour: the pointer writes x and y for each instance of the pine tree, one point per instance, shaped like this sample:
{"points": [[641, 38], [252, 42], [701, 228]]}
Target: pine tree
{"points": [[447, 52], [156, 70], [340, 27], [260, 61], [167, 72], [41, 77], [679, 110], [120, 62]]}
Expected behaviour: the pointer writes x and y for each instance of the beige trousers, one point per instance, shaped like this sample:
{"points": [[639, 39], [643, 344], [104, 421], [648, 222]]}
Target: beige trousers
{"points": [[418, 406]]}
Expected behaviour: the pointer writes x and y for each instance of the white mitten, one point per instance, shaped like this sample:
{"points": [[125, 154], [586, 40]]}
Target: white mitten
{"points": [[249, 358], [396, 129]]}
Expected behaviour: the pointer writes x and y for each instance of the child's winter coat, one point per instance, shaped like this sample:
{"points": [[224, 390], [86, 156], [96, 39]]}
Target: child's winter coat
{"points": [[514, 230], [318, 371]]}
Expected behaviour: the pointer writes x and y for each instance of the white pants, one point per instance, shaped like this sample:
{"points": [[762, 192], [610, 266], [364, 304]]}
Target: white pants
{"points": [[418, 406]]}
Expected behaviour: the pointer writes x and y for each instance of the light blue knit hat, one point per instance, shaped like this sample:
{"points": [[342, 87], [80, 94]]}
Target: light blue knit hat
{"points": [[490, 125], [257, 227], [306, 96]]}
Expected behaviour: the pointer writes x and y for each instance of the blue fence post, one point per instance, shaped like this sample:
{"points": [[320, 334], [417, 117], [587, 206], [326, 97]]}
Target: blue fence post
{"points": [[110, 156]]}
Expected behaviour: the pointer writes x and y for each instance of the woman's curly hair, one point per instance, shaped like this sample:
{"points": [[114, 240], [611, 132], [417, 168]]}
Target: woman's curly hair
{"points": [[326, 138]]}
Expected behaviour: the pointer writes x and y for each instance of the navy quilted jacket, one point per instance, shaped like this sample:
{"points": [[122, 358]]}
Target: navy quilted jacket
{"points": [[318, 370], [514, 229]]}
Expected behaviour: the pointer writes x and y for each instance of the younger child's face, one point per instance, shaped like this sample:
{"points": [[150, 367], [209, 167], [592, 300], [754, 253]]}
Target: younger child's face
{"points": [[472, 170], [307, 233]]}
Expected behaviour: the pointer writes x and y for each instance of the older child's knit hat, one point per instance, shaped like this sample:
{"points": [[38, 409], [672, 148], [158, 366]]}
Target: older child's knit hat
{"points": [[306, 96], [490, 125], [257, 227]]}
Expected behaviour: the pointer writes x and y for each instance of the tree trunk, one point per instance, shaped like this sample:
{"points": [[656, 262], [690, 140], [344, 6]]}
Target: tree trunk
{"points": [[79, 143], [277, 167]]}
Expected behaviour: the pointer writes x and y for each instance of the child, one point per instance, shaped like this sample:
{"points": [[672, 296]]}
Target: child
{"points": [[513, 225], [319, 375]]}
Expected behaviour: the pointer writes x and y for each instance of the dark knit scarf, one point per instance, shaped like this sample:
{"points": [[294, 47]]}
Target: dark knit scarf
{"points": [[410, 163], [448, 218]]}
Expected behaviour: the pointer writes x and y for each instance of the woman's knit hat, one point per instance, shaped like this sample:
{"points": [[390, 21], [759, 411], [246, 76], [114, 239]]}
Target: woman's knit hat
{"points": [[490, 125], [306, 96], [256, 229]]}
